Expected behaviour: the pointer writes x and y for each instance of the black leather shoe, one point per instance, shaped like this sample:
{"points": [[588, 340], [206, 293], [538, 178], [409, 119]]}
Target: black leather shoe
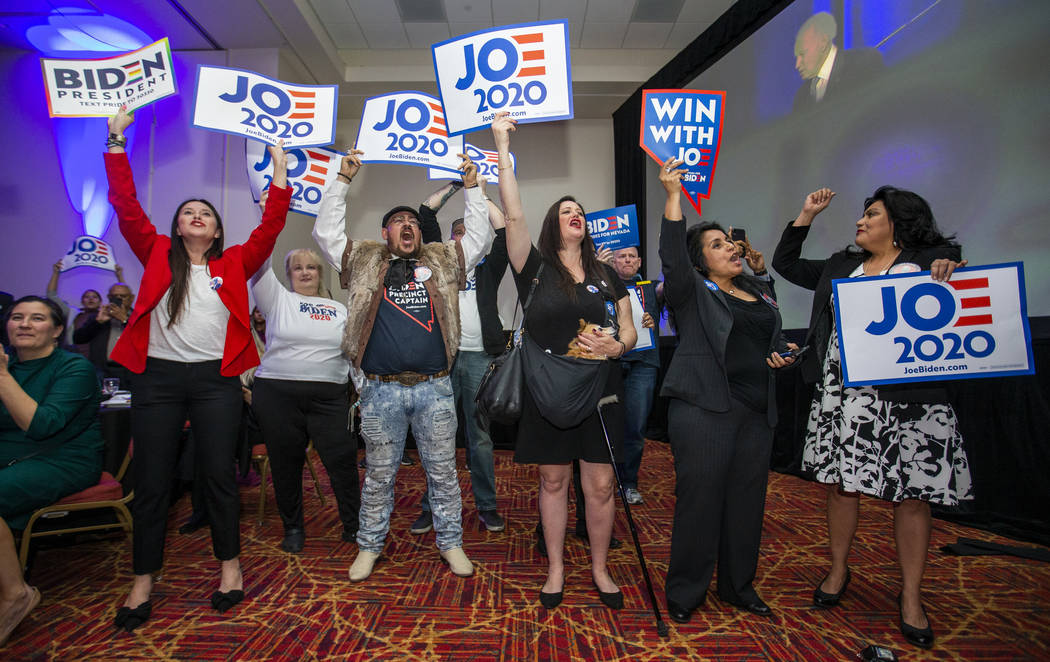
{"points": [[129, 619], [293, 542], [678, 613], [222, 602], [194, 523], [613, 600], [755, 605], [923, 638], [551, 600], [828, 600]]}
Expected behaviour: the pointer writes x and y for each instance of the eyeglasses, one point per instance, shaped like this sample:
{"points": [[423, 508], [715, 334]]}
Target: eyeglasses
{"points": [[404, 218]]}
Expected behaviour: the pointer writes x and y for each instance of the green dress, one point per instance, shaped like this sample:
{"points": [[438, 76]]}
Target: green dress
{"points": [[61, 452]]}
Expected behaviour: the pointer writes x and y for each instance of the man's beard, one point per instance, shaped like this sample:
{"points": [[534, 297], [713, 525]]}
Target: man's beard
{"points": [[395, 248]]}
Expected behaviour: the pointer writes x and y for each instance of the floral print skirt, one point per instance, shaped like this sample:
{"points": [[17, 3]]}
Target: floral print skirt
{"points": [[890, 450]]}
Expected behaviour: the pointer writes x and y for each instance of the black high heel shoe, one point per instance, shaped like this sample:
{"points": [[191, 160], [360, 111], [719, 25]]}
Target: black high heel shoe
{"points": [[613, 600], [921, 637], [224, 601], [129, 619], [551, 600], [828, 600]]}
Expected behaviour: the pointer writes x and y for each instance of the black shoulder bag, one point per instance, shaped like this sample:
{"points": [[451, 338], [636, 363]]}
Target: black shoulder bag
{"points": [[500, 394]]}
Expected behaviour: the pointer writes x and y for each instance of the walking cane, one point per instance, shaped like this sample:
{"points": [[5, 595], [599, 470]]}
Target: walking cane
{"points": [[661, 627]]}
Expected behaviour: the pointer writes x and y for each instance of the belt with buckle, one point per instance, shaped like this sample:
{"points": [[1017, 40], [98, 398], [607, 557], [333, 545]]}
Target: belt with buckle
{"points": [[408, 378]]}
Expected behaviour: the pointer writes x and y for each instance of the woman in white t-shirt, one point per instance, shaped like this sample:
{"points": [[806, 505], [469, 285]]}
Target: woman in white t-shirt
{"points": [[187, 341], [300, 392]]}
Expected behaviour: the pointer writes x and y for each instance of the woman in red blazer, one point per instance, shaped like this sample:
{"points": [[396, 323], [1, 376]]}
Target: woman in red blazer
{"points": [[187, 341]]}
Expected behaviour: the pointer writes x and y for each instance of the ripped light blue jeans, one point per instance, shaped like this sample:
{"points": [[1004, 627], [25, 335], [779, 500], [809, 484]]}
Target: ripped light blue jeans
{"points": [[387, 409]]}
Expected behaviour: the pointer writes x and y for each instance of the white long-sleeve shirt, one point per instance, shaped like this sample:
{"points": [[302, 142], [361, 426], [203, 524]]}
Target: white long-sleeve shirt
{"points": [[330, 227]]}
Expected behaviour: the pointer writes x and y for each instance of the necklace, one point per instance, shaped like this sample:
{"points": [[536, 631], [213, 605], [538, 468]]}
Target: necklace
{"points": [[883, 265]]}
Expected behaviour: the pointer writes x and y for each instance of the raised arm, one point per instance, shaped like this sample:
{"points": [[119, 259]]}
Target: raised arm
{"points": [[679, 282], [52, 283], [330, 227], [135, 226], [787, 258], [52, 291], [496, 219], [477, 232], [428, 225], [260, 244], [518, 242]]}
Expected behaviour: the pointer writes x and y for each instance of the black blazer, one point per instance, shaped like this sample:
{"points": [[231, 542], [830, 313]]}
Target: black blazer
{"points": [[817, 275], [697, 373], [96, 336], [487, 277], [853, 69]]}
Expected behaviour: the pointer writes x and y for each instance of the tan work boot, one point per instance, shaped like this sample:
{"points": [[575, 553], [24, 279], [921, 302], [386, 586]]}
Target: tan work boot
{"points": [[457, 562], [362, 566]]}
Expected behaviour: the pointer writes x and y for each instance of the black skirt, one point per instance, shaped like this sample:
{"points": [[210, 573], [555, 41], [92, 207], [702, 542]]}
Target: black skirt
{"points": [[540, 442]]}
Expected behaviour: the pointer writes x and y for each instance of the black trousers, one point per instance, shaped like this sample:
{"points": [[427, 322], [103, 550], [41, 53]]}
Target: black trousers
{"points": [[166, 394], [722, 466], [290, 414]]}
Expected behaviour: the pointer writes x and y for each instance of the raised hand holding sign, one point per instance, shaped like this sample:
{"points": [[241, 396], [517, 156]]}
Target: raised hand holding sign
{"points": [[310, 170], [686, 125], [409, 128], [523, 69], [248, 104]]}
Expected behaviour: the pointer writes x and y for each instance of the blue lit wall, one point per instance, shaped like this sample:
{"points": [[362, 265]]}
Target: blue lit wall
{"points": [[78, 33]]}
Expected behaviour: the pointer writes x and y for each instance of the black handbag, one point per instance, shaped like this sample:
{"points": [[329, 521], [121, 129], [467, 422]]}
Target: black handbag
{"points": [[566, 389], [500, 395]]}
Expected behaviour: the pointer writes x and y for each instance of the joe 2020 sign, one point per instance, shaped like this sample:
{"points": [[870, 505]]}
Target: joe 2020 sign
{"points": [[522, 69], [248, 104], [903, 328]]}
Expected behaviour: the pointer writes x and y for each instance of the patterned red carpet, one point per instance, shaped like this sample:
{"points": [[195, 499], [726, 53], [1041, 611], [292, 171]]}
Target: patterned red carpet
{"points": [[301, 607]]}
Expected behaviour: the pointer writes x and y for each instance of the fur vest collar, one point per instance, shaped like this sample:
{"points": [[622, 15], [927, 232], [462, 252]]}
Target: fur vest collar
{"points": [[364, 268]]}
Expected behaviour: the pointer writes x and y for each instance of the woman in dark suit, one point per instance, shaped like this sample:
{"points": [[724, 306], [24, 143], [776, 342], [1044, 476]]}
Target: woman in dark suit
{"points": [[899, 443], [720, 377]]}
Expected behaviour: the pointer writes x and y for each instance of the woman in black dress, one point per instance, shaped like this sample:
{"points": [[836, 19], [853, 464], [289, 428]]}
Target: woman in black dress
{"points": [[573, 286], [899, 443]]}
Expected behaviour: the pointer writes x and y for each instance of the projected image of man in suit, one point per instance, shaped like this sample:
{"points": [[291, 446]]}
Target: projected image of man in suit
{"points": [[827, 69]]}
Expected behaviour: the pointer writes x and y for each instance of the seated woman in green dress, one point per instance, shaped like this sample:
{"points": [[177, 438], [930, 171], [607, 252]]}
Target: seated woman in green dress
{"points": [[50, 442]]}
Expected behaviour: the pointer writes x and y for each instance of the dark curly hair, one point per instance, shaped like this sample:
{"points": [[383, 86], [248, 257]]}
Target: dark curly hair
{"points": [[914, 227], [694, 245]]}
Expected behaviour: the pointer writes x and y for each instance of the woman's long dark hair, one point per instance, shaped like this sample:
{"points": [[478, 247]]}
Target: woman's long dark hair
{"points": [[549, 243], [694, 244], [914, 227], [179, 260]]}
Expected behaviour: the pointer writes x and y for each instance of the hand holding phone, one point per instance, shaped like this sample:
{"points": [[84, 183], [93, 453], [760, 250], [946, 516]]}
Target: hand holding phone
{"points": [[794, 352]]}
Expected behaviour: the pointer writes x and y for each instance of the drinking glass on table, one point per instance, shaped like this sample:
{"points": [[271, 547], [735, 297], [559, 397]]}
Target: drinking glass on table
{"points": [[110, 385]]}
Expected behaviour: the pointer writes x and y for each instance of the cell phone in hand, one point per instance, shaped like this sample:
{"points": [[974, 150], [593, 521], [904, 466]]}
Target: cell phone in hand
{"points": [[794, 352], [115, 300], [738, 235]]}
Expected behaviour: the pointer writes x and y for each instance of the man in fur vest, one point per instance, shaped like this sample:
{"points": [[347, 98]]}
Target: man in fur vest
{"points": [[401, 337]]}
